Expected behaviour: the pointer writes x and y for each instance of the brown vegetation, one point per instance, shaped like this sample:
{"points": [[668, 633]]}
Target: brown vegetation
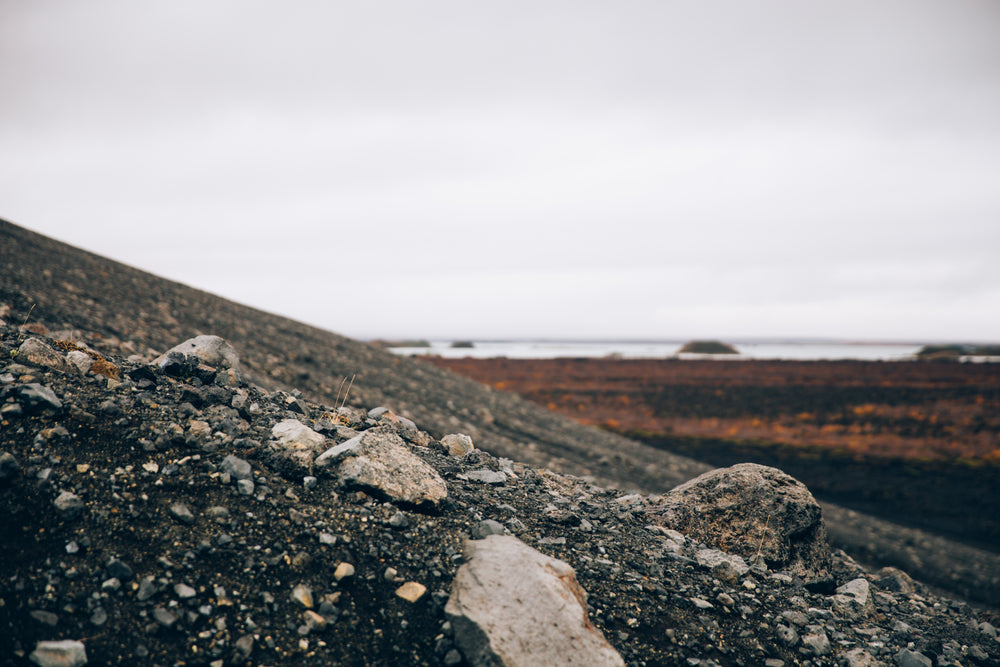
{"points": [[894, 410]]}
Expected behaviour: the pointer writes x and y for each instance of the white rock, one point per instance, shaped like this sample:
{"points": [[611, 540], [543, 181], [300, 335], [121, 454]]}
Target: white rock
{"points": [[511, 605], [64, 653], [457, 444], [297, 442], [210, 350], [81, 360], [379, 461]]}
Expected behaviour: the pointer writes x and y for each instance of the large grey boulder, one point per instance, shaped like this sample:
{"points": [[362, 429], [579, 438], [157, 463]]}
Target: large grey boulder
{"points": [[379, 461], [212, 351], [512, 605], [753, 511]]}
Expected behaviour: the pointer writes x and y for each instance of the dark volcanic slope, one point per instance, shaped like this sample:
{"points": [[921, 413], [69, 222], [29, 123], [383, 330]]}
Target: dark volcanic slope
{"points": [[74, 289], [136, 312]]}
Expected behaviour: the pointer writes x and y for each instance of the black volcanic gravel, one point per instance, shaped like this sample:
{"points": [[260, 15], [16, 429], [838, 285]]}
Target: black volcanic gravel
{"points": [[127, 528]]}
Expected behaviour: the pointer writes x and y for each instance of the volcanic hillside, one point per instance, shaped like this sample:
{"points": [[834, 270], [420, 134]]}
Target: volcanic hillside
{"points": [[71, 294]]}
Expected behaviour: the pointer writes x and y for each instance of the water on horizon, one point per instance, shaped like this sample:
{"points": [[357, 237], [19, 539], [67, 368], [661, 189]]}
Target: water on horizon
{"points": [[655, 350]]}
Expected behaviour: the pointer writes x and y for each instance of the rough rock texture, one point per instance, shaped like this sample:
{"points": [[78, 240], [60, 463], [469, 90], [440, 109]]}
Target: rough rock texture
{"points": [[64, 653], [754, 511], [458, 444], [35, 352], [210, 350], [123, 311], [297, 442], [379, 461], [509, 602], [178, 540]]}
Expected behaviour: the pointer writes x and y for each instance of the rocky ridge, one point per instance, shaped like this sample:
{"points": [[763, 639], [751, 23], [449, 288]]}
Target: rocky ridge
{"points": [[167, 511]]}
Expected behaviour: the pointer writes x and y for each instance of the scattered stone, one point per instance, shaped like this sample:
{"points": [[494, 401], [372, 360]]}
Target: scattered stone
{"points": [[343, 571], [184, 591], [853, 600], [245, 487], [457, 444], [210, 350], [486, 528], [411, 591], [748, 509], [486, 476], [118, 570], [81, 360], [63, 653], [236, 467], [9, 467], [35, 352], [303, 596], [36, 398], [816, 643], [724, 566], [511, 605], [69, 505], [46, 617], [894, 579], [296, 442], [859, 657], [242, 649], [164, 617], [181, 513], [910, 658]]}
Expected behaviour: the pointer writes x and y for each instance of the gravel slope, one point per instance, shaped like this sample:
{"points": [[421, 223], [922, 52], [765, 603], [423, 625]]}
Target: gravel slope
{"points": [[125, 311]]}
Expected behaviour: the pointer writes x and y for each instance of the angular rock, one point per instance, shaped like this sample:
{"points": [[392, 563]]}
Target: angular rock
{"points": [[853, 600], [486, 476], [210, 350], [379, 461], [296, 442], [236, 467], [816, 643], [457, 444], [9, 467], [749, 509], [81, 360], [303, 596], [35, 352], [181, 513], [910, 658], [485, 528], [894, 579], [69, 505], [36, 397], [724, 566], [859, 657], [411, 591], [63, 653], [511, 605]]}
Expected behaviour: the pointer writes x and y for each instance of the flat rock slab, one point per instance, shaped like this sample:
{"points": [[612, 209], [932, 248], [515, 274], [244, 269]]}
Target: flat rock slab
{"points": [[753, 511], [512, 605], [379, 461]]}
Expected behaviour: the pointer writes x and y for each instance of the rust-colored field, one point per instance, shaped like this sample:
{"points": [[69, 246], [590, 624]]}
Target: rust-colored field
{"points": [[913, 442], [908, 410]]}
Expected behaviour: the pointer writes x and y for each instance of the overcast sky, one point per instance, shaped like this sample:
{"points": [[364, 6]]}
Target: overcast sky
{"points": [[493, 169]]}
